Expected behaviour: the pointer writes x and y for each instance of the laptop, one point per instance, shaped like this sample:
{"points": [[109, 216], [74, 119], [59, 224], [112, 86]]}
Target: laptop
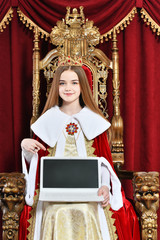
{"points": [[70, 179]]}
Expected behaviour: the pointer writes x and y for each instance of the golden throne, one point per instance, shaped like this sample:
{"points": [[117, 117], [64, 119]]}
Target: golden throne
{"points": [[77, 36]]}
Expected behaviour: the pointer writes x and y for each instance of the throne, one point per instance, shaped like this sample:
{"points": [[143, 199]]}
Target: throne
{"points": [[77, 36]]}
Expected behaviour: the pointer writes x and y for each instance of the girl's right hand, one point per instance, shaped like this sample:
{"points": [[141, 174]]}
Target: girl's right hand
{"points": [[32, 145]]}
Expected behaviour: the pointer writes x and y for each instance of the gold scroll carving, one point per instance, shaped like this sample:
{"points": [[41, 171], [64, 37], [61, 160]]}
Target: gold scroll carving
{"points": [[12, 187], [146, 196]]}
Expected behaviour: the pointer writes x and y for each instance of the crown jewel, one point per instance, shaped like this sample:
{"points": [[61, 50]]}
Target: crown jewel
{"points": [[69, 61]]}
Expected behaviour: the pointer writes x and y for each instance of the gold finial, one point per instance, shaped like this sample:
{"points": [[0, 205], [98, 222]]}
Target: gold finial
{"points": [[74, 19]]}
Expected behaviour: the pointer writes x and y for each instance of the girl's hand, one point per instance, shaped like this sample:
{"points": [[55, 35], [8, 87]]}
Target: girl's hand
{"points": [[32, 145], [104, 191]]}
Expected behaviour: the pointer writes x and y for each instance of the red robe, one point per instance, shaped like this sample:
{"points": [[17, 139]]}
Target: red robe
{"points": [[125, 218]]}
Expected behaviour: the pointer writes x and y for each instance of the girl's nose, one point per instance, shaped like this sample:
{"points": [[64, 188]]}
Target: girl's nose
{"points": [[68, 87]]}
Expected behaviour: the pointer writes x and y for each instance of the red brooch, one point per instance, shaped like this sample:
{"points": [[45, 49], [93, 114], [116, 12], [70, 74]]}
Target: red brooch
{"points": [[71, 128]]}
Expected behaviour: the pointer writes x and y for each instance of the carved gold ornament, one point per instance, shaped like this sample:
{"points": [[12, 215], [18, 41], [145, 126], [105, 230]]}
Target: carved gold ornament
{"points": [[146, 196], [12, 188], [74, 34], [69, 61]]}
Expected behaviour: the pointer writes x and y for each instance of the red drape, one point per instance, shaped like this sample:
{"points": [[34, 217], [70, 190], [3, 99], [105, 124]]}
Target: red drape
{"points": [[4, 7], [139, 50], [103, 13]]}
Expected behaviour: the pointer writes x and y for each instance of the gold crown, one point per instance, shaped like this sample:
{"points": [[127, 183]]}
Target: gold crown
{"points": [[69, 61]]}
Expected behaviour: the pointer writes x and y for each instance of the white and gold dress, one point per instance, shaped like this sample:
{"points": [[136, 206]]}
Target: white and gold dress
{"points": [[71, 136]]}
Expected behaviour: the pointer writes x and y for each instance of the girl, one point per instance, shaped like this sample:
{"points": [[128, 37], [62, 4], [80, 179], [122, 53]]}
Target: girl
{"points": [[72, 125]]}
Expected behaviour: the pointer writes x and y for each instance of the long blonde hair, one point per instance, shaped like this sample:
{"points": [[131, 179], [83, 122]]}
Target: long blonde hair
{"points": [[86, 98]]}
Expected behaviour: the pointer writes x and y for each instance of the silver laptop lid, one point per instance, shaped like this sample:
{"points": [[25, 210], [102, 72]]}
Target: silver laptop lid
{"points": [[70, 179]]}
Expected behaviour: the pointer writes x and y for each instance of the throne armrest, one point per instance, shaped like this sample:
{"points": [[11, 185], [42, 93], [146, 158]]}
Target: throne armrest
{"points": [[146, 197], [12, 189]]}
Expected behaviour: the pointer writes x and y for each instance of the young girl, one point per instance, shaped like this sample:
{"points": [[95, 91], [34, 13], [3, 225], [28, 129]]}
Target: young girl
{"points": [[72, 125]]}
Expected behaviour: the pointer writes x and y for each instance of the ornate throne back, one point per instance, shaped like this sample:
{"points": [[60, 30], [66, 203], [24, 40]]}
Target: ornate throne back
{"points": [[76, 37]]}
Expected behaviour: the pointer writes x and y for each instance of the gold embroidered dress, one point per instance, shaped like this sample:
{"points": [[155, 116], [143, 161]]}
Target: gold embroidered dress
{"points": [[71, 221]]}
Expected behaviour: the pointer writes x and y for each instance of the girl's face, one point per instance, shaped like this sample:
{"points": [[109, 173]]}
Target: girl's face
{"points": [[69, 87]]}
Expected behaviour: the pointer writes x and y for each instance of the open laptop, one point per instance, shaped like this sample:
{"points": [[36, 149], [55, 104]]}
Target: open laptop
{"points": [[70, 179]]}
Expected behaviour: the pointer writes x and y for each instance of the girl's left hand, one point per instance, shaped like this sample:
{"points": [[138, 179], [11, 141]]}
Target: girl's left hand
{"points": [[104, 191]]}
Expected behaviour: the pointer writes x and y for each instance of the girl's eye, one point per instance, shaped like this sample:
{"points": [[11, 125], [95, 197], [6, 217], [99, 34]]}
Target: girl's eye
{"points": [[75, 83], [61, 83]]}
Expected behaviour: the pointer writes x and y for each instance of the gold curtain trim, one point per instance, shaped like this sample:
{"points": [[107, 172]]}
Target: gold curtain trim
{"points": [[150, 22], [31, 25], [7, 18], [120, 26]]}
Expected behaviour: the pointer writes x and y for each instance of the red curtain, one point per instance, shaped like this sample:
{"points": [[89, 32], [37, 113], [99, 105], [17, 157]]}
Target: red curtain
{"points": [[4, 6], [139, 50], [104, 13]]}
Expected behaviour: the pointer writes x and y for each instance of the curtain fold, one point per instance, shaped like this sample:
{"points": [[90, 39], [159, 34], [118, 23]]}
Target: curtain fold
{"points": [[15, 92], [4, 7], [152, 7]]}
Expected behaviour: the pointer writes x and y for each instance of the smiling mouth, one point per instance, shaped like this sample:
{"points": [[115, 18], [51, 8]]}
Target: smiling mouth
{"points": [[68, 94]]}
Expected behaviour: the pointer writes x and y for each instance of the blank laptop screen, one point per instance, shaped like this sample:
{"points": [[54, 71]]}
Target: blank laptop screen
{"points": [[70, 173]]}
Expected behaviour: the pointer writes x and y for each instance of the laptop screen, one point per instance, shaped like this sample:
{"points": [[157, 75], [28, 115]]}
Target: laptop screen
{"points": [[70, 173], [70, 179]]}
